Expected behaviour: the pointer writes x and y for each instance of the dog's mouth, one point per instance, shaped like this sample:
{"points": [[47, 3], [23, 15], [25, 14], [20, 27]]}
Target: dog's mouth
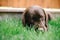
{"points": [[41, 28], [37, 28]]}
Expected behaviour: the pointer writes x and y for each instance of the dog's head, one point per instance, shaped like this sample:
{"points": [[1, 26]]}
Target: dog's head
{"points": [[36, 16]]}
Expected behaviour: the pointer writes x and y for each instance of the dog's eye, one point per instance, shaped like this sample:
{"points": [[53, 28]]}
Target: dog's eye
{"points": [[41, 16], [41, 19], [36, 18]]}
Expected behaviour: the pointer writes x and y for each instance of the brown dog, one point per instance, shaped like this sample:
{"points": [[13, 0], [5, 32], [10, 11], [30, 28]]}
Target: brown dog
{"points": [[36, 16]]}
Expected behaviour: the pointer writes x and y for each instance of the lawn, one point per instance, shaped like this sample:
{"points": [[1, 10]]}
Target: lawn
{"points": [[12, 29]]}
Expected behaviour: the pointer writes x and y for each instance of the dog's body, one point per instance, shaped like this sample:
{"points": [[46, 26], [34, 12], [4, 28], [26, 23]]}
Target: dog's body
{"points": [[35, 15]]}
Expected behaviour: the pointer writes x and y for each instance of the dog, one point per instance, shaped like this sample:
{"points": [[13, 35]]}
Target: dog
{"points": [[36, 16]]}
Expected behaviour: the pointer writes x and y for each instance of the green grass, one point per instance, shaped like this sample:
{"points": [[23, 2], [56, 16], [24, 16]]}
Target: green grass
{"points": [[12, 29]]}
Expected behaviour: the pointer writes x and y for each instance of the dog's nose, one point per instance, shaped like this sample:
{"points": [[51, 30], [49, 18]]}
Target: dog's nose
{"points": [[42, 27]]}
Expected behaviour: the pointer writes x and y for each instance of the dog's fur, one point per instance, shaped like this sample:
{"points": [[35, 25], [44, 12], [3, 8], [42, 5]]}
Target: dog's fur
{"points": [[36, 16]]}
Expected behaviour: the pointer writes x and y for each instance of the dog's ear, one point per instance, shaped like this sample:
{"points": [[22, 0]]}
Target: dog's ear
{"points": [[46, 18], [25, 17], [49, 16]]}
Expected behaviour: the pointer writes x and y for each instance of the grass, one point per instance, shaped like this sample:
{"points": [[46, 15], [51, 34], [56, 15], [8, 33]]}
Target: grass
{"points": [[12, 29]]}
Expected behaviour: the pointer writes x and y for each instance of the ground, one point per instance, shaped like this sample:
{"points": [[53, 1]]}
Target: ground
{"points": [[12, 29]]}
